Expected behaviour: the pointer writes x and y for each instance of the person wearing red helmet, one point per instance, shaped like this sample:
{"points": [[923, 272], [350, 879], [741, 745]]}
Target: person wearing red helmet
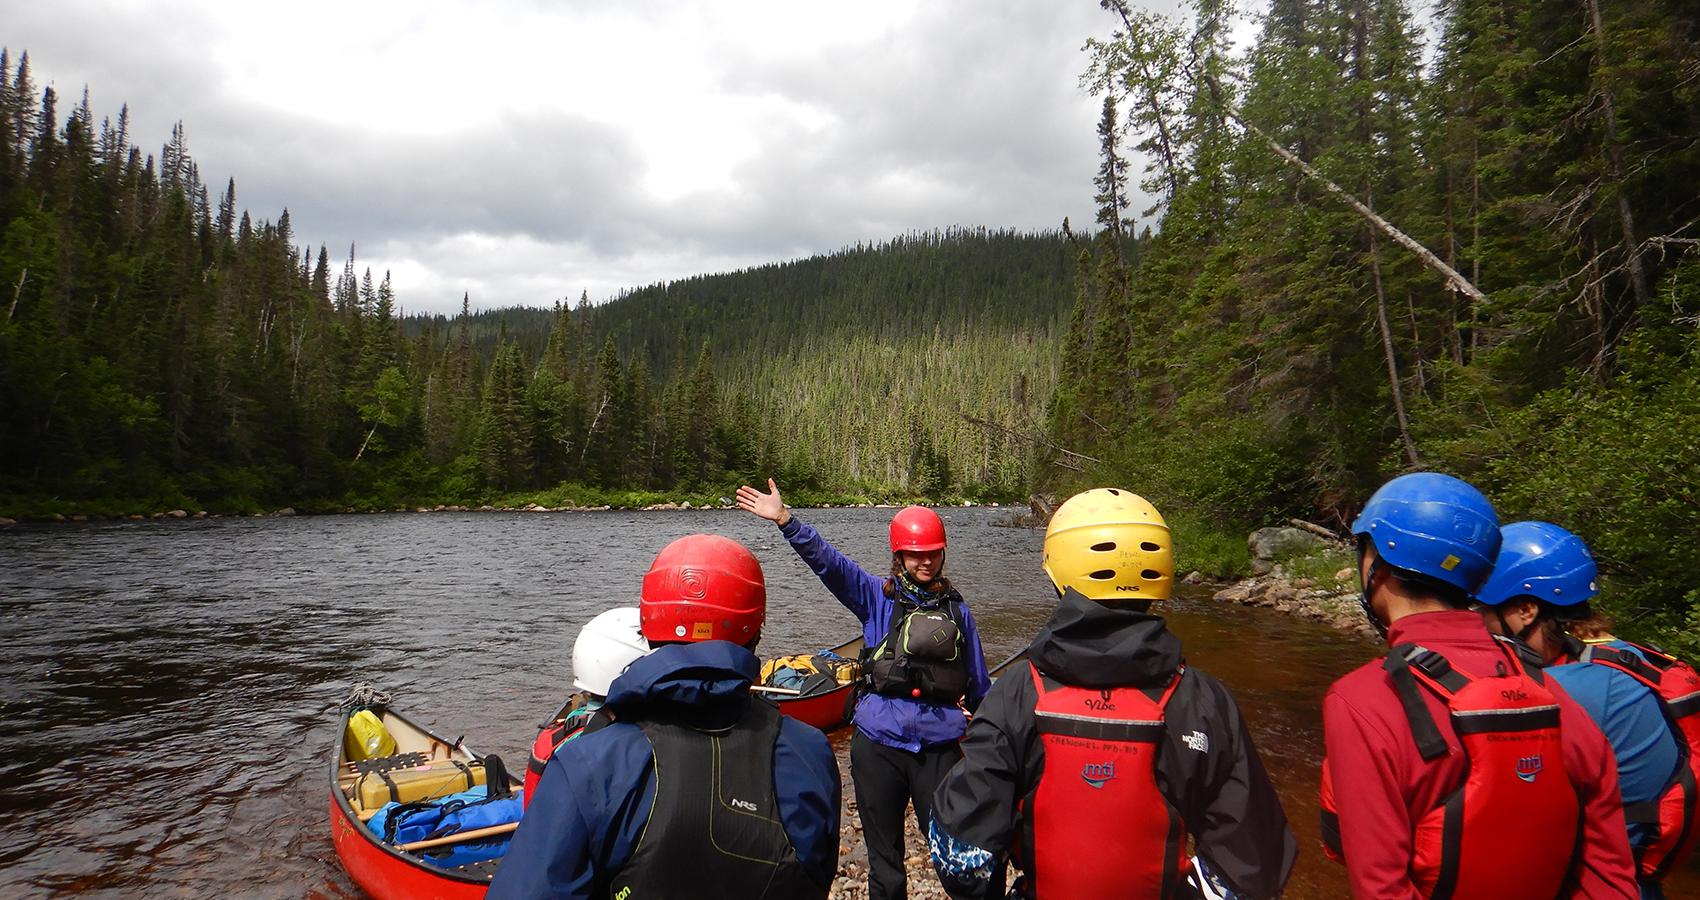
{"points": [[922, 668], [691, 786]]}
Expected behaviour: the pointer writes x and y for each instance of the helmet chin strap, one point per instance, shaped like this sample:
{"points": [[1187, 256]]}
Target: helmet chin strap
{"points": [[1363, 598]]}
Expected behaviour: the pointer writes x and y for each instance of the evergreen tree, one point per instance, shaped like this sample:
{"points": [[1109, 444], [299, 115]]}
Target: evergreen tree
{"points": [[504, 435]]}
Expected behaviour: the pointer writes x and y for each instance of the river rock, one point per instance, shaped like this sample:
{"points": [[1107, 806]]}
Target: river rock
{"points": [[1346, 574], [1194, 577], [178, 514], [1271, 545], [5, 521], [285, 512], [1237, 593]]}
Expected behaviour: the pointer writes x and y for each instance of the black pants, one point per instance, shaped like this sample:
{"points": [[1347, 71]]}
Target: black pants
{"points": [[887, 780]]}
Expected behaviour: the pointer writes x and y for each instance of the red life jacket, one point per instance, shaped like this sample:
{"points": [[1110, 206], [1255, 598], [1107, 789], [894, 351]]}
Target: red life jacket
{"points": [[1096, 824], [1671, 814], [1516, 782], [550, 737]]}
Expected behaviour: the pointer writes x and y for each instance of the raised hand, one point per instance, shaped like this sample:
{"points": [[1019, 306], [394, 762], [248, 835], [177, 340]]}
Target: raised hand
{"points": [[769, 505]]}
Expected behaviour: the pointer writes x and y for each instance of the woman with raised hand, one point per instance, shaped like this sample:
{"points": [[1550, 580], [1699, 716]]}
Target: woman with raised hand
{"points": [[923, 672]]}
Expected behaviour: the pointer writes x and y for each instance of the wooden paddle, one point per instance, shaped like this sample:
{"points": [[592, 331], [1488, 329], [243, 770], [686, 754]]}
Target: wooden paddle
{"points": [[1014, 658], [459, 838]]}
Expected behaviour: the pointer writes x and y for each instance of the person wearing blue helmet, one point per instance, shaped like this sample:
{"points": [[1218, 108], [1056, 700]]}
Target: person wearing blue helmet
{"points": [[1455, 739], [1539, 591]]}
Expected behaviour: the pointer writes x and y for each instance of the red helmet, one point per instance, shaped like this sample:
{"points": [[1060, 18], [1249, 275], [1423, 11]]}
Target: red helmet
{"points": [[916, 528], [703, 587]]}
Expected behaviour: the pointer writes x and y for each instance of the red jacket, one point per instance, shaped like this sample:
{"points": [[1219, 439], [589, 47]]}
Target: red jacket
{"points": [[1384, 786]]}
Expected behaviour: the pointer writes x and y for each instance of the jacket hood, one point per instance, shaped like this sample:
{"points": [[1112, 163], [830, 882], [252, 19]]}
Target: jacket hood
{"points": [[709, 673], [1089, 644]]}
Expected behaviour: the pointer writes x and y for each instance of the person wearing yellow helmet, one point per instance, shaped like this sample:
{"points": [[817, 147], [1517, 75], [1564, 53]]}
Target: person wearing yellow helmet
{"points": [[1089, 767]]}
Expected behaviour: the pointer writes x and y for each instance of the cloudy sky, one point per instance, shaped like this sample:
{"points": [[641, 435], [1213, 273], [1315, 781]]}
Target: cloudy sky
{"points": [[525, 151]]}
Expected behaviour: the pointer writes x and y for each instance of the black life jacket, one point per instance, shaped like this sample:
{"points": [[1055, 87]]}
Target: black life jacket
{"points": [[1671, 814], [714, 829], [923, 655], [1516, 781], [1097, 823]]}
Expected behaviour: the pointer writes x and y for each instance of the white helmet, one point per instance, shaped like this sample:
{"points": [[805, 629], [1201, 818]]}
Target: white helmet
{"points": [[606, 645]]}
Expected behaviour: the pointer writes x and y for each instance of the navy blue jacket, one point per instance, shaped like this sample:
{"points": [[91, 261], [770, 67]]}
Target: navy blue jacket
{"points": [[893, 721], [595, 796]]}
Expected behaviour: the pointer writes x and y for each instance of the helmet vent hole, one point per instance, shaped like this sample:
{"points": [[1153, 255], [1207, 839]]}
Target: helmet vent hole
{"points": [[1149, 547], [1151, 575], [1102, 575], [1104, 546], [1114, 492]]}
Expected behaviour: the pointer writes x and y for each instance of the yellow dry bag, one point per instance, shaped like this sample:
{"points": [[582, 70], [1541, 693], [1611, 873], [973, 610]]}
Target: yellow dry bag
{"points": [[366, 737]]}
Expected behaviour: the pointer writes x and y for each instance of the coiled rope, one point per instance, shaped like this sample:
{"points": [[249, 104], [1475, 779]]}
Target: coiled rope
{"points": [[364, 694]]}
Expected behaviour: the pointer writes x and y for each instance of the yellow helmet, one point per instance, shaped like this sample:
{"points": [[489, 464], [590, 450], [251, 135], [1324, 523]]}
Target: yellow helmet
{"points": [[1110, 544]]}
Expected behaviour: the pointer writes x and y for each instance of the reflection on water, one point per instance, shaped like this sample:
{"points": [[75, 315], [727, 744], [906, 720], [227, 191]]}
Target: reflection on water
{"points": [[163, 724]]}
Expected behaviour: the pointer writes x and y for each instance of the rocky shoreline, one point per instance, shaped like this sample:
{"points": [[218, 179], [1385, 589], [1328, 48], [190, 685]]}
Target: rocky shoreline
{"points": [[1329, 595], [1334, 604], [852, 881], [288, 511]]}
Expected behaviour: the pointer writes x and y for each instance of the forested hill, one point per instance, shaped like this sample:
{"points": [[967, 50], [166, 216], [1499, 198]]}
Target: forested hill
{"points": [[919, 364], [946, 283], [1286, 352], [161, 349]]}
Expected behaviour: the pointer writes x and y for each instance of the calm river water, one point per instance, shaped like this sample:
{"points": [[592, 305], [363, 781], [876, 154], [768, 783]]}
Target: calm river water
{"points": [[165, 686]]}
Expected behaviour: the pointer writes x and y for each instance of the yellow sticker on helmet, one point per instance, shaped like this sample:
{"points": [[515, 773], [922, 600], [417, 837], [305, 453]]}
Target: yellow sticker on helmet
{"points": [[702, 630], [1450, 562]]}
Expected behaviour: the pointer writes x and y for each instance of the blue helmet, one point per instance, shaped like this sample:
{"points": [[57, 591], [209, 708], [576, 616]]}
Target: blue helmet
{"points": [[1434, 525], [1543, 561]]}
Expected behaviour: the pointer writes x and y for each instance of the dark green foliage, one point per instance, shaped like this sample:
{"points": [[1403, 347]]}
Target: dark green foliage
{"points": [[1284, 356]]}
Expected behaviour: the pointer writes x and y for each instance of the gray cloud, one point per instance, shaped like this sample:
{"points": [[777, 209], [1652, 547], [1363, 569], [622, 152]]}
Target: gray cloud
{"points": [[967, 114]]}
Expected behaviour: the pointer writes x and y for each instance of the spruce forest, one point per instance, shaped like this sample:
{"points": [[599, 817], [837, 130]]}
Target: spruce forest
{"points": [[164, 351], [1528, 321], [1364, 243]]}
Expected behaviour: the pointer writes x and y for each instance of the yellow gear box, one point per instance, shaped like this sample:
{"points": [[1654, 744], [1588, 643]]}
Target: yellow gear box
{"points": [[438, 778]]}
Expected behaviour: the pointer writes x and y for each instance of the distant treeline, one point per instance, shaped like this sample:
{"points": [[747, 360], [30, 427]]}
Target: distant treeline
{"points": [[919, 365], [160, 350], [1272, 351]]}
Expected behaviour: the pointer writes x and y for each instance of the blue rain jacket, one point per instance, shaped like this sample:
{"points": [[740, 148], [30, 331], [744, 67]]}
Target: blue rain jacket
{"points": [[893, 721], [595, 795]]}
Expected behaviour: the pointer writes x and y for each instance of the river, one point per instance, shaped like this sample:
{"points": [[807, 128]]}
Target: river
{"points": [[164, 694]]}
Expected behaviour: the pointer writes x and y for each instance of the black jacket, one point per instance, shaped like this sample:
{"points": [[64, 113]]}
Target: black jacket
{"points": [[1207, 766]]}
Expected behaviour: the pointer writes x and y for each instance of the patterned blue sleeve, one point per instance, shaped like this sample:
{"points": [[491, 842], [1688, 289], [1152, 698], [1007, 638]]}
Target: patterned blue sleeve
{"points": [[962, 867]]}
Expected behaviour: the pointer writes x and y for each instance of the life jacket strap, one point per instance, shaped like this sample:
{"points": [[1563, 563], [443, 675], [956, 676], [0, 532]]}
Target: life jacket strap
{"points": [[1401, 666], [1628, 663]]}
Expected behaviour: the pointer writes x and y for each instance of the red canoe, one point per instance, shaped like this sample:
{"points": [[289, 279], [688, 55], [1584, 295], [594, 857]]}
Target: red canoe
{"points": [[828, 709], [381, 870]]}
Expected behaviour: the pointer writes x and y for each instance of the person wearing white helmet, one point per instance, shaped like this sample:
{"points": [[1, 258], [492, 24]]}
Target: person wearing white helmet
{"points": [[606, 645]]}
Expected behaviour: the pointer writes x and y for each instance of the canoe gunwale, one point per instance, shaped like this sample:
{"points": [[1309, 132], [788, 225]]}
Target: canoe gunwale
{"points": [[346, 817], [838, 702]]}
